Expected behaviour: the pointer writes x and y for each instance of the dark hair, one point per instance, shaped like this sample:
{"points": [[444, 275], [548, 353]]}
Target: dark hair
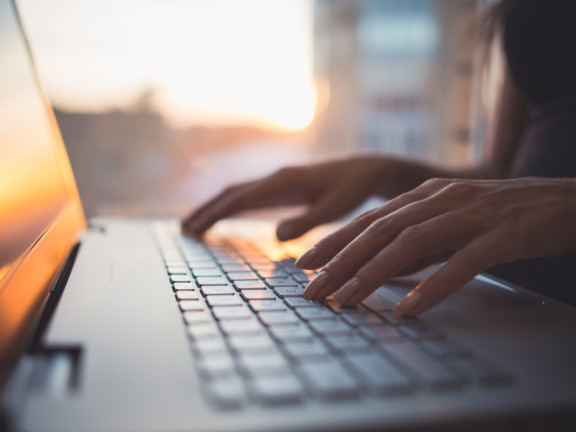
{"points": [[493, 19]]}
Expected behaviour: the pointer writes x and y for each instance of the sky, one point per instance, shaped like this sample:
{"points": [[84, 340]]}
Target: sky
{"points": [[207, 61]]}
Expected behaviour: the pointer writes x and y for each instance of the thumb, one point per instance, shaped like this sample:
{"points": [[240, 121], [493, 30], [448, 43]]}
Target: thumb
{"points": [[330, 207], [295, 227]]}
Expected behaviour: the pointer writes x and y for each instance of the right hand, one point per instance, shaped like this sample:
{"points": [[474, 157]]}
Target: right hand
{"points": [[330, 190]]}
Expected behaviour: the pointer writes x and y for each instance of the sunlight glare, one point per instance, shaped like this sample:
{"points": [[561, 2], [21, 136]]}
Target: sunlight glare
{"points": [[212, 61]]}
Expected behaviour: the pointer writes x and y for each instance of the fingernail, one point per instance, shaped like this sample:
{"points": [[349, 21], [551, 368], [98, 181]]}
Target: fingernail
{"points": [[315, 285], [348, 291], [408, 304], [307, 258]]}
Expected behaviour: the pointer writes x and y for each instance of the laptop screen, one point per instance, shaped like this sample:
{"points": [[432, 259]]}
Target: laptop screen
{"points": [[33, 191], [36, 186]]}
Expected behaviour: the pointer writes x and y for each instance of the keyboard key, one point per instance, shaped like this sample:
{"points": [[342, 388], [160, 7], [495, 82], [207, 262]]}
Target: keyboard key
{"points": [[330, 327], [301, 302], [291, 291], [202, 272], [288, 265], [316, 313], [258, 295], [175, 263], [229, 260], [278, 318], [267, 305], [179, 278], [280, 282], [251, 343], [359, 317], [184, 286], [173, 270], [292, 332], [306, 350], [348, 343], [381, 333], [232, 312], [210, 347], [226, 392], [198, 265], [199, 256], [197, 317], [203, 330], [428, 371], [235, 268], [224, 300], [242, 327], [171, 255], [277, 390], [419, 331], [329, 380], [303, 278], [242, 276], [218, 290], [392, 319], [215, 367], [275, 273], [378, 374], [250, 284], [263, 265], [263, 363], [204, 281], [187, 295], [191, 305], [379, 303]]}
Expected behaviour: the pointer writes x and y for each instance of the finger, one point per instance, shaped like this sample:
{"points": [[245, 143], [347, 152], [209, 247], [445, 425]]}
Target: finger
{"points": [[425, 262], [413, 244], [476, 257], [441, 235], [327, 248], [333, 205], [225, 204], [284, 187], [274, 190], [370, 243], [191, 222]]}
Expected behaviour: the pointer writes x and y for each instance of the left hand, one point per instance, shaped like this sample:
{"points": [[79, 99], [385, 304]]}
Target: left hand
{"points": [[472, 224]]}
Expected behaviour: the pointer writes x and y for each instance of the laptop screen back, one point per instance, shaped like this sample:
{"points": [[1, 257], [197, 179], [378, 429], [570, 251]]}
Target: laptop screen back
{"points": [[37, 190]]}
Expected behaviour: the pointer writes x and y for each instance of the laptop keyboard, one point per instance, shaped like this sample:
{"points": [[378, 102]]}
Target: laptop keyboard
{"points": [[255, 339]]}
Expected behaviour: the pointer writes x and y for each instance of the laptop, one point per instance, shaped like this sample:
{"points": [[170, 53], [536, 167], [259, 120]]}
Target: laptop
{"points": [[125, 325]]}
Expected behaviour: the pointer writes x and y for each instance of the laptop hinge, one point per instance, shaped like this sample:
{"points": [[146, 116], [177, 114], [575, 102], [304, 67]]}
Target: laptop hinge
{"points": [[53, 298]]}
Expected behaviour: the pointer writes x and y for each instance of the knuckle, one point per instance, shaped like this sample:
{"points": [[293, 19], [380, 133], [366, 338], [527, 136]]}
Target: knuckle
{"points": [[366, 217], [337, 265], [414, 233], [380, 226], [434, 183], [459, 190]]}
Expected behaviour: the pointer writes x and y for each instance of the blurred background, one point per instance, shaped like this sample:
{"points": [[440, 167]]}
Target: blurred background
{"points": [[162, 103]]}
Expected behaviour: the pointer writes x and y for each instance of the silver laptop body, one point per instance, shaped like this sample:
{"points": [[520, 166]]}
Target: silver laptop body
{"points": [[100, 332]]}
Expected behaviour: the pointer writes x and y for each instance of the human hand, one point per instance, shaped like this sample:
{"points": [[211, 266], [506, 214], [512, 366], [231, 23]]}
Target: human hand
{"points": [[329, 189], [472, 224]]}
